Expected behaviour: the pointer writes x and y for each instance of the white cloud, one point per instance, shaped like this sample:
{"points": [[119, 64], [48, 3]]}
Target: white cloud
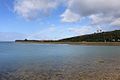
{"points": [[45, 34], [11, 36], [116, 22], [82, 30], [50, 33], [69, 16], [100, 19], [32, 9], [98, 11], [89, 7]]}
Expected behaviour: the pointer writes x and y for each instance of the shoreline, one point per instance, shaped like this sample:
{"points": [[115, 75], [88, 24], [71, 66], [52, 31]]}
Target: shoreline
{"points": [[78, 43]]}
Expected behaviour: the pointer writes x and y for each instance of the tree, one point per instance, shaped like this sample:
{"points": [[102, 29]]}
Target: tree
{"points": [[25, 40]]}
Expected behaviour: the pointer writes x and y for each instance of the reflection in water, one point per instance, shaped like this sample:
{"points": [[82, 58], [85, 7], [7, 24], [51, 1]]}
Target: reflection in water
{"points": [[58, 62]]}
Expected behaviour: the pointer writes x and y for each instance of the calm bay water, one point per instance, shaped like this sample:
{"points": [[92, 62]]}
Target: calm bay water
{"points": [[20, 61]]}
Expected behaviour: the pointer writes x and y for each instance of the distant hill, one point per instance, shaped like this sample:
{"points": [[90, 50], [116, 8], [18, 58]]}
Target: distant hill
{"points": [[111, 36]]}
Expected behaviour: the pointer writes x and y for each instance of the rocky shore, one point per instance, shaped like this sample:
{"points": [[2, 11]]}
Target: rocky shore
{"points": [[106, 69]]}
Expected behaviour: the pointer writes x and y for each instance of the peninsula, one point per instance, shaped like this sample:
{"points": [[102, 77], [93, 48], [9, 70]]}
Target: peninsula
{"points": [[103, 38]]}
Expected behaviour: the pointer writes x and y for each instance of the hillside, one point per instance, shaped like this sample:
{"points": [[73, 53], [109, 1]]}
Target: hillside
{"points": [[111, 36]]}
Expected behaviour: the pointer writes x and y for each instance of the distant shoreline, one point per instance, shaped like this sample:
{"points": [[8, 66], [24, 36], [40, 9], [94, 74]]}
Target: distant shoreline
{"points": [[110, 38], [76, 43]]}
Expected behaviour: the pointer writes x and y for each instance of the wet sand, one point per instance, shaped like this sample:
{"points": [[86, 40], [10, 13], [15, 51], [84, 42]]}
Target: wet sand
{"points": [[79, 43]]}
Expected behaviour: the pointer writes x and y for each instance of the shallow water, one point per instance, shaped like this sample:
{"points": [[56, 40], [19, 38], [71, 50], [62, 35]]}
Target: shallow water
{"points": [[20, 61]]}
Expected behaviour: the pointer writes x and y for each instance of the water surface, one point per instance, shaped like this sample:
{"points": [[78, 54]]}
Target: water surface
{"points": [[19, 61]]}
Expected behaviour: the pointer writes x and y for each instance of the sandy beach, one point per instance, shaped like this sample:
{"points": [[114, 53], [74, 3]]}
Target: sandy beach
{"points": [[79, 43]]}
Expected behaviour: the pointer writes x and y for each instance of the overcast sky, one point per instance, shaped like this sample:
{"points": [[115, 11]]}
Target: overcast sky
{"points": [[56, 19]]}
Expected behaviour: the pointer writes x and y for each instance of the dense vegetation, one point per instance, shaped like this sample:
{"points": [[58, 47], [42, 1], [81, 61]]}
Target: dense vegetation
{"points": [[111, 36]]}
